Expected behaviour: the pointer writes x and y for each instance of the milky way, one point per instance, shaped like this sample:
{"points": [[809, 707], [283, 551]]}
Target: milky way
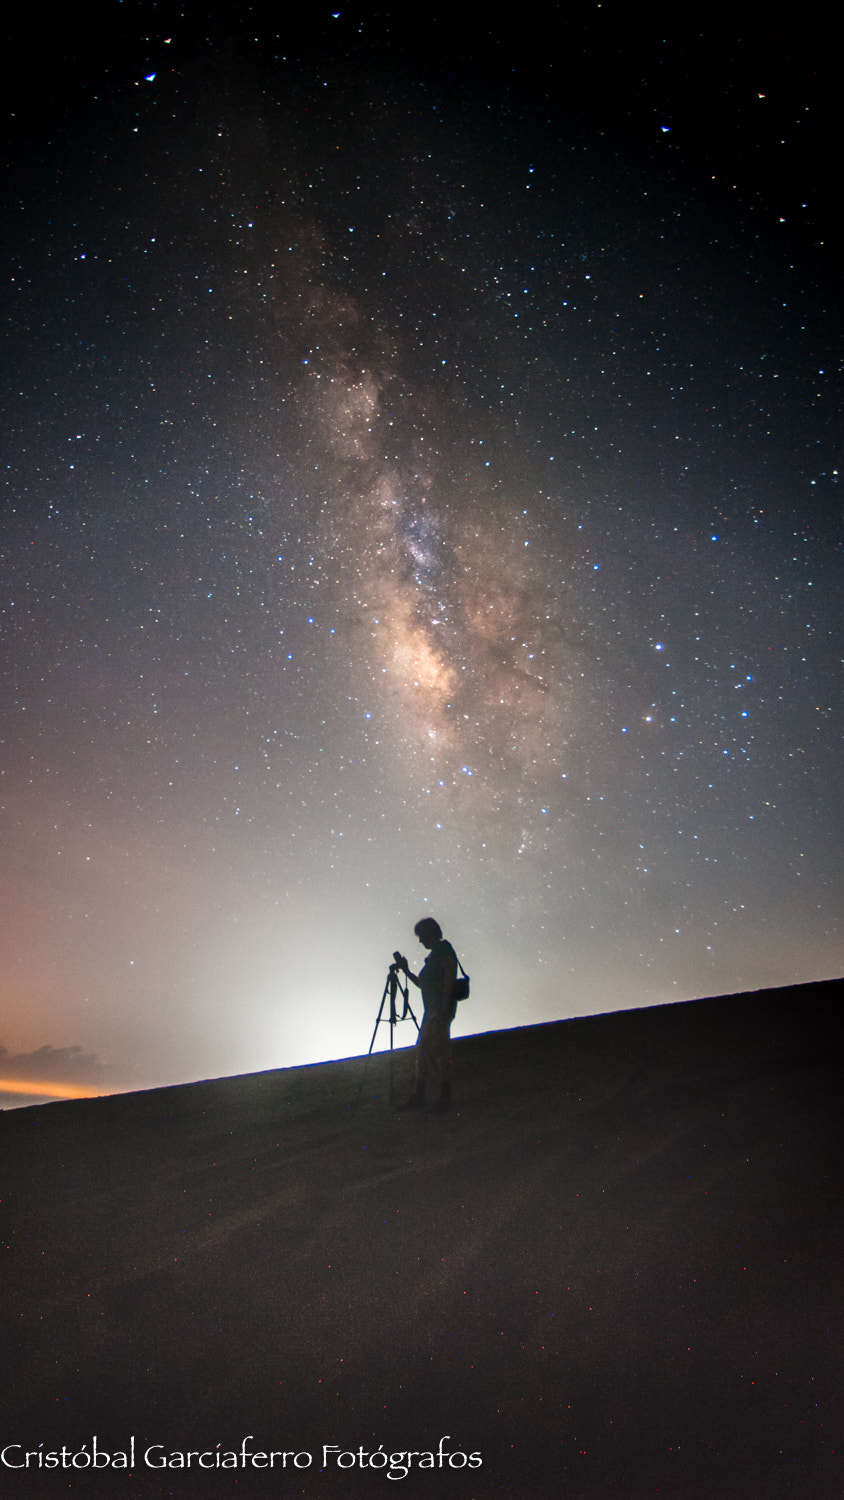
{"points": [[421, 493]]}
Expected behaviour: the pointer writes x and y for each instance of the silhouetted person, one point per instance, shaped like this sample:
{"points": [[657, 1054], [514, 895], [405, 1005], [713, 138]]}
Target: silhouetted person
{"points": [[436, 980]]}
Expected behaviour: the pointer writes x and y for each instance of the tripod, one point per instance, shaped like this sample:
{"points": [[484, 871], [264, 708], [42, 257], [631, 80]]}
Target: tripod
{"points": [[393, 987]]}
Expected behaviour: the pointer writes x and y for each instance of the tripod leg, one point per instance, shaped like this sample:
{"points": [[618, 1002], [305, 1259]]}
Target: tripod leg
{"points": [[378, 1018], [391, 987]]}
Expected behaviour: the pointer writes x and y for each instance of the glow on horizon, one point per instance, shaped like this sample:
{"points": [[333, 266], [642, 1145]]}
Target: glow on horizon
{"points": [[52, 1089]]}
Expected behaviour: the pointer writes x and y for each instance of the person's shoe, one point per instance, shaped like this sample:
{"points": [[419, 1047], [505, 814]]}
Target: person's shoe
{"points": [[416, 1100]]}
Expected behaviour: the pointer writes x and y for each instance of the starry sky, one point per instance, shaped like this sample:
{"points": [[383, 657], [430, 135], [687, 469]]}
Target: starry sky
{"points": [[420, 495]]}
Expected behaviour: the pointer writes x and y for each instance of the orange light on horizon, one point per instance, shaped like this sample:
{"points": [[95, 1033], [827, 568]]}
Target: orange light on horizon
{"points": [[53, 1089]]}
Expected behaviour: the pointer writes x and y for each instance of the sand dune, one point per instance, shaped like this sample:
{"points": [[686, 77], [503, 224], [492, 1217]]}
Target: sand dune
{"points": [[614, 1270]]}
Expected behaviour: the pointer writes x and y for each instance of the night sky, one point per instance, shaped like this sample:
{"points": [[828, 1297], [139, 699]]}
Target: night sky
{"points": [[420, 495]]}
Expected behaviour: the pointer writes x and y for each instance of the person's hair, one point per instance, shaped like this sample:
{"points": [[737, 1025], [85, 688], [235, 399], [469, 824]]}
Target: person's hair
{"points": [[427, 927]]}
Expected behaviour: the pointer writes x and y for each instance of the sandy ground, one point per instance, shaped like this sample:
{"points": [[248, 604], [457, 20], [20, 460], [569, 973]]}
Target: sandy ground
{"points": [[613, 1270]]}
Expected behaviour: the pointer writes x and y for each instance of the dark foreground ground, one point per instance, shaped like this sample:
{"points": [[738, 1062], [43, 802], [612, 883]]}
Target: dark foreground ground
{"points": [[615, 1270]]}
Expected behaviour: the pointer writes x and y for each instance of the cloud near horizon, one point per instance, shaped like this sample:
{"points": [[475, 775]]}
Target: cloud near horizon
{"points": [[52, 1073]]}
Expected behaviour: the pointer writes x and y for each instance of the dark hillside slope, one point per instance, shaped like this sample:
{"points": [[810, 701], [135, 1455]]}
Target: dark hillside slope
{"points": [[614, 1270]]}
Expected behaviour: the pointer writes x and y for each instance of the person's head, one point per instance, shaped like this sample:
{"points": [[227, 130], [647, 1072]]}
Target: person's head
{"points": [[428, 932]]}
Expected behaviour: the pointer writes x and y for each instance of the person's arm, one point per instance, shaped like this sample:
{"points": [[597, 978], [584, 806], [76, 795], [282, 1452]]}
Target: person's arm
{"points": [[402, 964]]}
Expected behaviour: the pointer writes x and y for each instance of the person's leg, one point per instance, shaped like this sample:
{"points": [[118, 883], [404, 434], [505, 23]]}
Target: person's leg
{"points": [[440, 1055], [433, 1054], [423, 1063]]}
